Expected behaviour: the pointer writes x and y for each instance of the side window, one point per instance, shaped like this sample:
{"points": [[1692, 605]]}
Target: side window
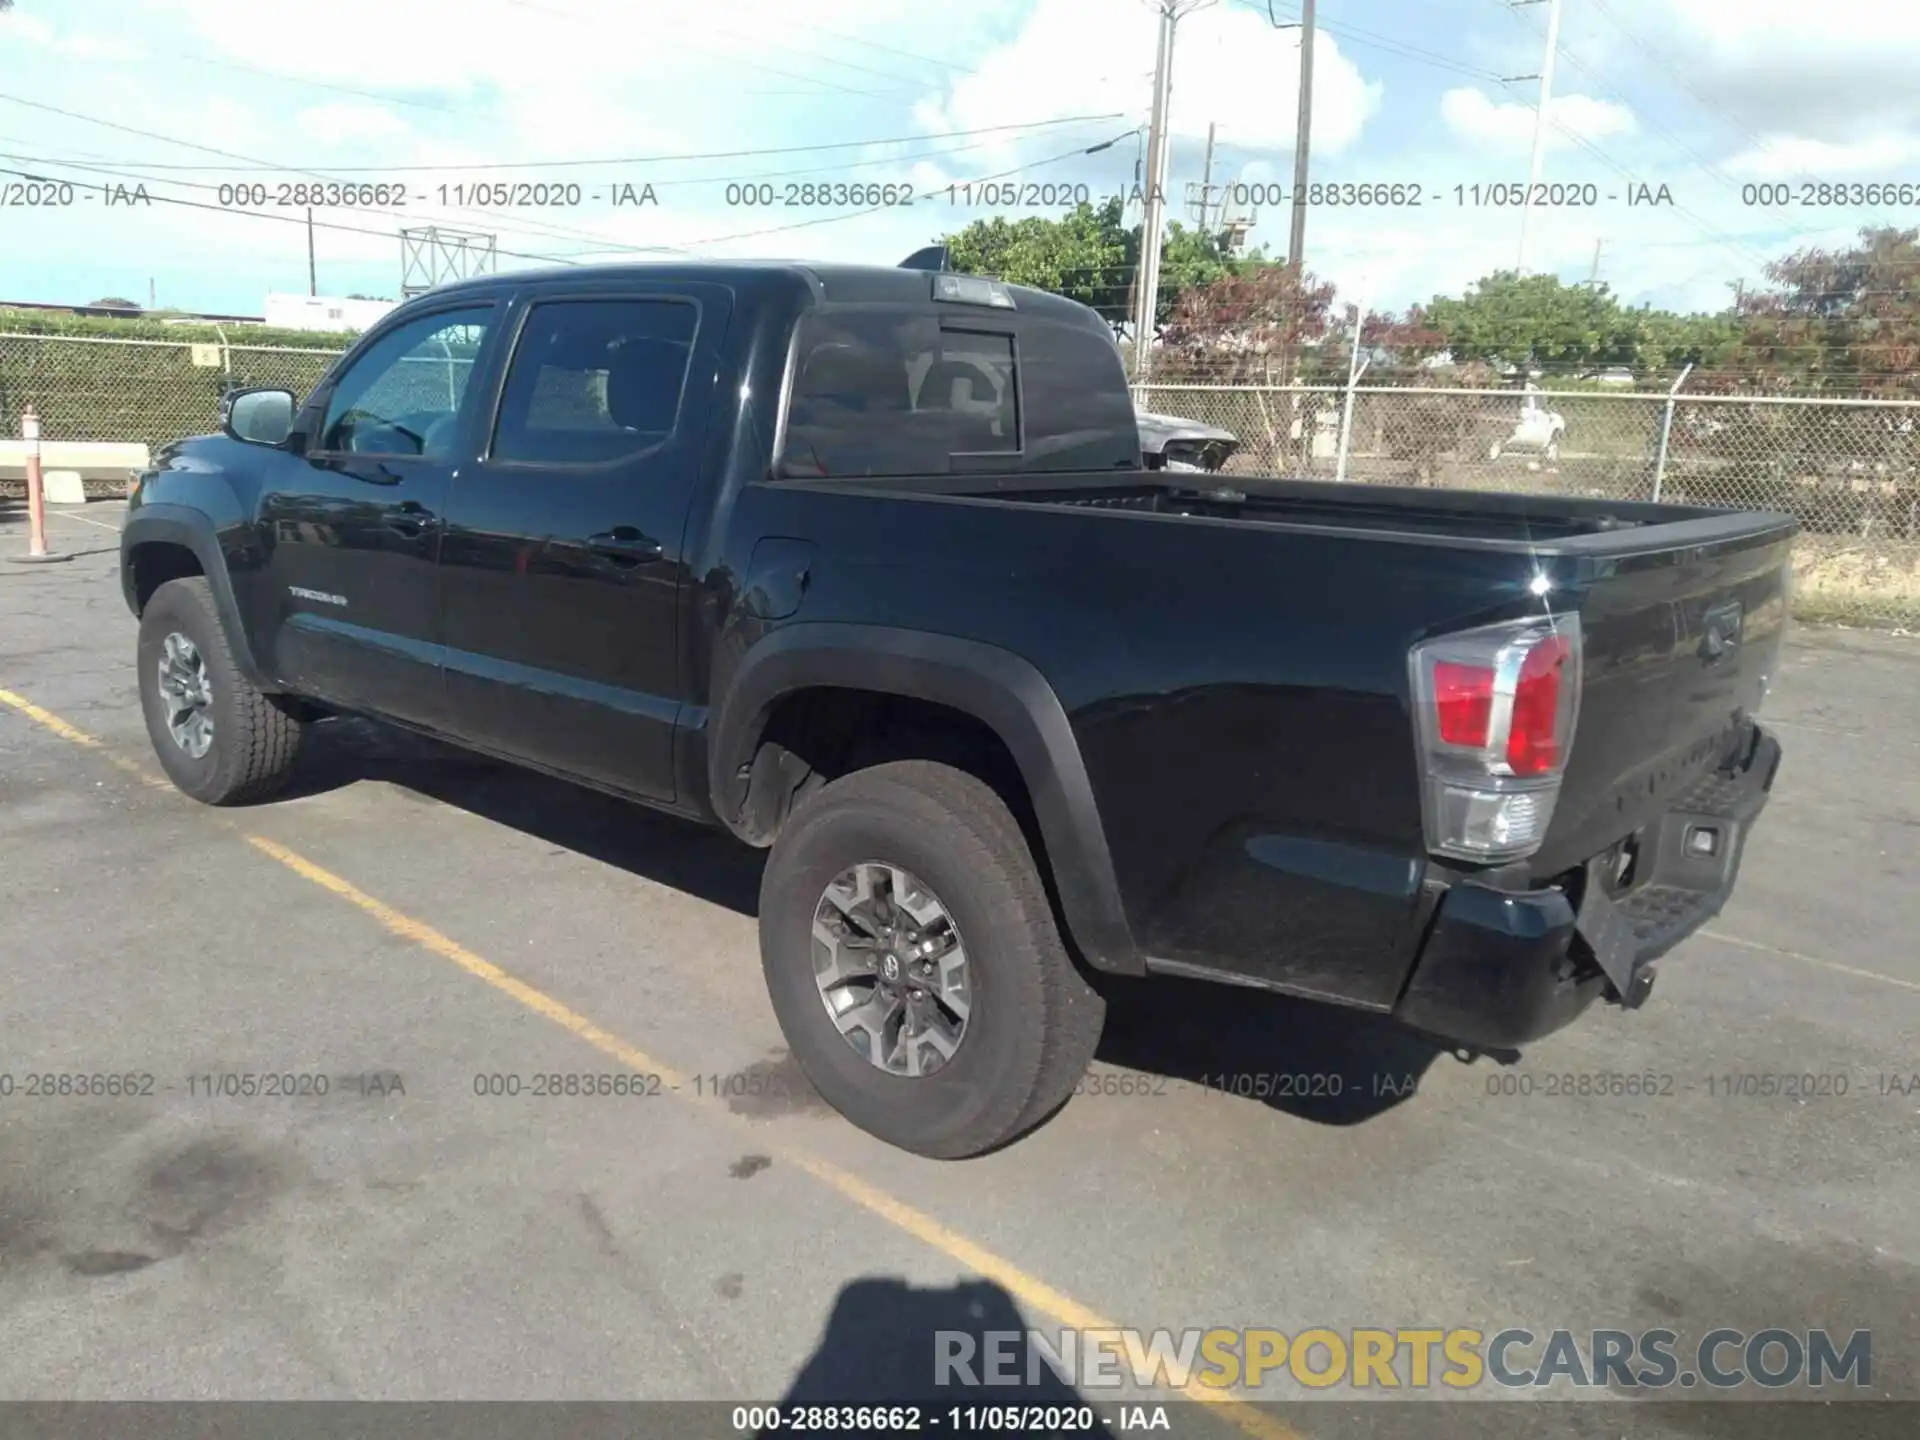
{"points": [[889, 392], [595, 380], [852, 410], [403, 396]]}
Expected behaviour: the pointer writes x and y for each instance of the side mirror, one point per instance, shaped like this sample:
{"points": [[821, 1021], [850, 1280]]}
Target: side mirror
{"points": [[259, 417]]}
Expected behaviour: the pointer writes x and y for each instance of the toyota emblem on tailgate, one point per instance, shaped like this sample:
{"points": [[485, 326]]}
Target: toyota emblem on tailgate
{"points": [[1721, 631]]}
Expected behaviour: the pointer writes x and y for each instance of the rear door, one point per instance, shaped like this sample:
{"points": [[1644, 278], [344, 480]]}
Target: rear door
{"points": [[562, 567], [353, 523]]}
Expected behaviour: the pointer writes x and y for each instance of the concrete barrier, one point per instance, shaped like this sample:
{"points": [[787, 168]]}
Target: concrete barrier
{"points": [[64, 487], [94, 460]]}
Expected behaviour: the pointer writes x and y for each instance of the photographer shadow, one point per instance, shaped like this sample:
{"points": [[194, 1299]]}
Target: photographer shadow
{"points": [[885, 1342]]}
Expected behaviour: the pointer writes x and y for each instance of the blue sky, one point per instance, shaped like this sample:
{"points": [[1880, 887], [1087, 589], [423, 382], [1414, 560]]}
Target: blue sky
{"points": [[1705, 97]]}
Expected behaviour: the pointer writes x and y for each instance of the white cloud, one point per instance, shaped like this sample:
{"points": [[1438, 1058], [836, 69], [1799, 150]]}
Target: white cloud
{"points": [[69, 44], [1792, 156], [1506, 126], [1837, 71], [1230, 68], [340, 122]]}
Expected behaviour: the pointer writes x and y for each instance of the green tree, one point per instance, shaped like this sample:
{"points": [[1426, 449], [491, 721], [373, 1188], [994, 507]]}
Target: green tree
{"points": [[1085, 255], [1669, 341], [1511, 319], [1090, 256]]}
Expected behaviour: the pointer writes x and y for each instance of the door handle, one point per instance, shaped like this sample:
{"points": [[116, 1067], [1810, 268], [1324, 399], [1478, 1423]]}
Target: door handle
{"points": [[625, 545], [410, 518]]}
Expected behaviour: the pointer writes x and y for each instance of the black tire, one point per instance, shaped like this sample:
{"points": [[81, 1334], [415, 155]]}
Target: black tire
{"points": [[255, 741], [1034, 1020]]}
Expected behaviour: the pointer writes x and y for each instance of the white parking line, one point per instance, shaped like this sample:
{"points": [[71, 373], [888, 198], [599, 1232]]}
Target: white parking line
{"points": [[1854, 970], [85, 519]]}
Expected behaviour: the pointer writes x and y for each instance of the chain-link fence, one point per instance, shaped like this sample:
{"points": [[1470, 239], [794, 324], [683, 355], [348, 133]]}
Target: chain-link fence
{"points": [[145, 391], [1848, 470]]}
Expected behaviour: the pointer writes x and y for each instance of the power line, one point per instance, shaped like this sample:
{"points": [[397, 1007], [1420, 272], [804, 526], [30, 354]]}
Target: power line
{"points": [[1373, 40], [533, 228], [1717, 110], [1614, 95], [295, 220], [564, 259], [878, 209], [658, 159]]}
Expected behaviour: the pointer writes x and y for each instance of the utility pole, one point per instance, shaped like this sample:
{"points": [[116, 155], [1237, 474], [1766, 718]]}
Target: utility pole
{"points": [[1147, 273], [313, 287], [1206, 186], [1302, 142], [1593, 275], [1539, 122]]}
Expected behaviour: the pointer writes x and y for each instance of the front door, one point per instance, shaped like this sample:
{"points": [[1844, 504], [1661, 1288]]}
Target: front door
{"points": [[562, 568], [354, 523]]}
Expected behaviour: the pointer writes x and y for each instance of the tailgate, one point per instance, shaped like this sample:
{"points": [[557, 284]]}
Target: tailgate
{"points": [[1680, 642]]}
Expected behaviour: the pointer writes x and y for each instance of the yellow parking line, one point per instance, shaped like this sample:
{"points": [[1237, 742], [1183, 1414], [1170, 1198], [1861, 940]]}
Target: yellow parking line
{"points": [[428, 938], [50, 721], [1036, 1294]]}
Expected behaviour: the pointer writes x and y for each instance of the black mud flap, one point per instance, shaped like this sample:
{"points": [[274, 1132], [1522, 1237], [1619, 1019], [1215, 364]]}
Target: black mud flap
{"points": [[1611, 938]]}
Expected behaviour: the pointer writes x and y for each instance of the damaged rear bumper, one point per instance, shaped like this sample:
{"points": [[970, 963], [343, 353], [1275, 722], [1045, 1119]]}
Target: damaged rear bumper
{"points": [[1499, 968]]}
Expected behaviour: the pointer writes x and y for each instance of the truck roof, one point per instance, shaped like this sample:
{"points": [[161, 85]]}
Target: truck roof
{"points": [[837, 283]]}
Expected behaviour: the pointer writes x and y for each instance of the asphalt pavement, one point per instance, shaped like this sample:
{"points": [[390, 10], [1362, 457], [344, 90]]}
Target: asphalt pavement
{"points": [[414, 932]]}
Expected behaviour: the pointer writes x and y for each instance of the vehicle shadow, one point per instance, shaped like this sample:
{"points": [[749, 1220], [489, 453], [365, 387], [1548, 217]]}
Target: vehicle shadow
{"points": [[1316, 1061], [1319, 1062], [884, 1342], [704, 862]]}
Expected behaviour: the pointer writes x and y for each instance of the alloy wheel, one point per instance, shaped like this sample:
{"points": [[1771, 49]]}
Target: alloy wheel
{"points": [[891, 969], [187, 694]]}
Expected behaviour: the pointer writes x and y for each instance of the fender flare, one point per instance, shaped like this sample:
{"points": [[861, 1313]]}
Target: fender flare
{"points": [[193, 530], [994, 686]]}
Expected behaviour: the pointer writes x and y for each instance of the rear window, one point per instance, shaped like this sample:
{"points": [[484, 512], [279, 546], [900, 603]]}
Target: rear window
{"points": [[888, 391]]}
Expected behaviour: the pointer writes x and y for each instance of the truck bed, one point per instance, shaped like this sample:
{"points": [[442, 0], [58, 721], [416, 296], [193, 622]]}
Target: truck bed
{"points": [[1395, 564], [1555, 524]]}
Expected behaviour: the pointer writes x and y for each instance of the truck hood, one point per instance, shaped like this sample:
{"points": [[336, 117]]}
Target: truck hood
{"points": [[1159, 431]]}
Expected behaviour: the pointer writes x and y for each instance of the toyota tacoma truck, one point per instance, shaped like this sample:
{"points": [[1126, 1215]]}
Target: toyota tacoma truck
{"points": [[748, 543]]}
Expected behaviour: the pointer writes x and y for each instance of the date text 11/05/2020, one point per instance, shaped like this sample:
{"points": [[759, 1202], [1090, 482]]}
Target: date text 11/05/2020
{"points": [[567, 194], [57, 194]]}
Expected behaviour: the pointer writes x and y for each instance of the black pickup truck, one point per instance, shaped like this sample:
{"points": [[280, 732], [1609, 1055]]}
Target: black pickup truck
{"points": [[862, 565]]}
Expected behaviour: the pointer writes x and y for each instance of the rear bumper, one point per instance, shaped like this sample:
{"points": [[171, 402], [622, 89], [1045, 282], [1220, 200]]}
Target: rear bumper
{"points": [[1499, 969]]}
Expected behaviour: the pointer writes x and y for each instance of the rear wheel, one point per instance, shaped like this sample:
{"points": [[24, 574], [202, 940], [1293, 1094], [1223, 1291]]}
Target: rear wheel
{"points": [[915, 965], [218, 738]]}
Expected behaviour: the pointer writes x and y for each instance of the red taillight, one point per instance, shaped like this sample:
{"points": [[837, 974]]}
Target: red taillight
{"points": [[1494, 710], [1533, 739], [1463, 699]]}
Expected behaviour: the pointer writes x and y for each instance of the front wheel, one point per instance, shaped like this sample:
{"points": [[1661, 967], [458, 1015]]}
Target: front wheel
{"points": [[914, 963], [218, 738]]}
